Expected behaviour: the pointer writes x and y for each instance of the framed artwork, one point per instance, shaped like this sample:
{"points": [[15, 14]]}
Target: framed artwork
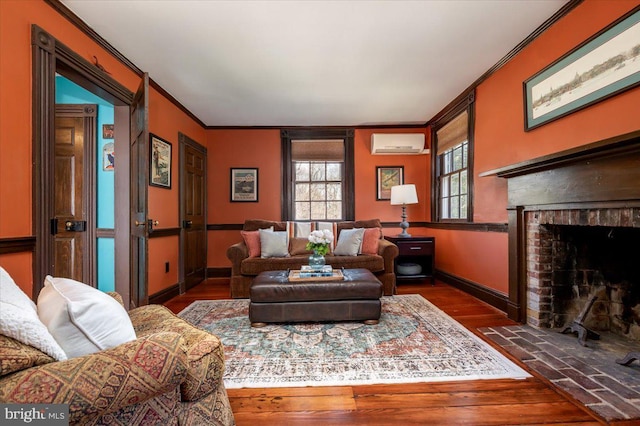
{"points": [[160, 156], [108, 159], [603, 66], [107, 131], [386, 177], [244, 185]]}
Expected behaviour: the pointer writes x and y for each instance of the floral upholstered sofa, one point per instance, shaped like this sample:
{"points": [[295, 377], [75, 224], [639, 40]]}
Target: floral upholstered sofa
{"points": [[169, 374], [247, 262]]}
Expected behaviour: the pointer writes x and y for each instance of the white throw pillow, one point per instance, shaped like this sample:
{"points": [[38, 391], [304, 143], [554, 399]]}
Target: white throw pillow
{"points": [[349, 242], [273, 244], [19, 319], [82, 319]]}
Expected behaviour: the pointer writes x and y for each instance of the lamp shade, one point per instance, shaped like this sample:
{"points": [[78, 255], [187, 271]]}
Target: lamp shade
{"points": [[404, 194]]}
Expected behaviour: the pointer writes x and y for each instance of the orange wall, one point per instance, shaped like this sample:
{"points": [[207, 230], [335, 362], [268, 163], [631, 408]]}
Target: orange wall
{"points": [[165, 121], [416, 171], [500, 139], [240, 149], [261, 149], [480, 257], [16, 18]]}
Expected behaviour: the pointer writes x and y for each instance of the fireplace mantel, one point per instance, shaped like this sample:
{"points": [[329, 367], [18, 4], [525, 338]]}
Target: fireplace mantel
{"points": [[622, 143], [601, 175]]}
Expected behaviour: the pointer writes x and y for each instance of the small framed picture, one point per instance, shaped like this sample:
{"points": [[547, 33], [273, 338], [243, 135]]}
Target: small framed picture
{"points": [[386, 177], [108, 159], [107, 131], [244, 185], [160, 158]]}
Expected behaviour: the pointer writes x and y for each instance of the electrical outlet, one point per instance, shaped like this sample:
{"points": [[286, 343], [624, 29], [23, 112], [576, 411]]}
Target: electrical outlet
{"points": [[166, 267]]}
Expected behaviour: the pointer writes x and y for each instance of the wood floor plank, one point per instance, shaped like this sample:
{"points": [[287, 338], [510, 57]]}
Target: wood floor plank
{"points": [[531, 401], [306, 391], [293, 403], [530, 384], [561, 413], [455, 399]]}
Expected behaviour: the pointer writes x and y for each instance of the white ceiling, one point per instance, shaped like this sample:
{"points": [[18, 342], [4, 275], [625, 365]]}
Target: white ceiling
{"points": [[314, 63]]}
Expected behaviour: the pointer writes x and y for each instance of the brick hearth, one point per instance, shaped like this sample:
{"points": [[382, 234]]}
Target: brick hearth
{"points": [[588, 374]]}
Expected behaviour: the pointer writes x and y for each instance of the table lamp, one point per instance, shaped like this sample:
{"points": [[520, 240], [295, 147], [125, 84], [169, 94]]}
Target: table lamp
{"points": [[403, 195]]}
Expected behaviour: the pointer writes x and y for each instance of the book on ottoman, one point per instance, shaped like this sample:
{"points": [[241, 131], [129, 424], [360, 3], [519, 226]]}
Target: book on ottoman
{"points": [[307, 271]]}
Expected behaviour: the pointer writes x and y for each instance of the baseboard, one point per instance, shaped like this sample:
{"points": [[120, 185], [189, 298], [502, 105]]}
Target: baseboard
{"points": [[162, 296], [218, 272], [487, 295]]}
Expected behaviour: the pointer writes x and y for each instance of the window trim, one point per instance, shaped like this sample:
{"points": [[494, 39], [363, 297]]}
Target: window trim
{"points": [[348, 197], [468, 104]]}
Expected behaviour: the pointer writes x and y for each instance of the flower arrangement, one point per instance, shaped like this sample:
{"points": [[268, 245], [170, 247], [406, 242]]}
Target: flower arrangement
{"points": [[319, 241]]}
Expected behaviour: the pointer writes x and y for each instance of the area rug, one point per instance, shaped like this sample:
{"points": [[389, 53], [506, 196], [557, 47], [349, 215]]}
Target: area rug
{"points": [[414, 342]]}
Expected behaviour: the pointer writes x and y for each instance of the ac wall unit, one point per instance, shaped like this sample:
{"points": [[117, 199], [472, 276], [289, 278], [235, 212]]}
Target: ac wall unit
{"points": [[398, 143]]}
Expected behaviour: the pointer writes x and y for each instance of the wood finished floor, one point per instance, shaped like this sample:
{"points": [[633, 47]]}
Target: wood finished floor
{"points": [[482, 402]]}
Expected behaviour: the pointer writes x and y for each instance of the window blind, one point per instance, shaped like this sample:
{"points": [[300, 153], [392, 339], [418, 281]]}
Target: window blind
{"points": [[453, 133], [317, 150]]}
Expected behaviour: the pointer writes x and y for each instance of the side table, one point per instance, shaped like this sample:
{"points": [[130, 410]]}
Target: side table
{"points": [[419, 250]]}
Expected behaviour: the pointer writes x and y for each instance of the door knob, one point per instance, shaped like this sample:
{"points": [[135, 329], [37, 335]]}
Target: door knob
{"points": [[140, 223], [75, 225]]}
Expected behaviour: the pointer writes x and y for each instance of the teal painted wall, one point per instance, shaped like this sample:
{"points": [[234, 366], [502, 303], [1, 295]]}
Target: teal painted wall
{"points": [[68, 92]]}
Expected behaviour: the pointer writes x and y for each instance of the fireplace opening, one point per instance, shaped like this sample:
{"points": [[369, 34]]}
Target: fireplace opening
{"points": [[588, 261]]}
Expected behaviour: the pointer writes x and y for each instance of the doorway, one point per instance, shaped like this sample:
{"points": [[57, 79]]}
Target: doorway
{"points": [[50, 57], [193, 211]]}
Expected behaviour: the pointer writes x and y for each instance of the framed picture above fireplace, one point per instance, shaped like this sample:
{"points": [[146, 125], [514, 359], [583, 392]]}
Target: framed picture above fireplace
{"points": [[603, 66]]}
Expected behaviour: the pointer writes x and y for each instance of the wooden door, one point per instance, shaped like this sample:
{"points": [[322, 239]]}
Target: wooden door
{"points": [[139, 180], [193, 237], [73, 227]]}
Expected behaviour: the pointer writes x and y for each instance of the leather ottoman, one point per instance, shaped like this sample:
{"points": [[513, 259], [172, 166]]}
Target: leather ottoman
{"points": [[275, 299]]}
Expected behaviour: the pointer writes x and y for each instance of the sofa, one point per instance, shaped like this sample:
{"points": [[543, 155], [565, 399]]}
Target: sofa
{"points": [[171, 374], [244, 268]]}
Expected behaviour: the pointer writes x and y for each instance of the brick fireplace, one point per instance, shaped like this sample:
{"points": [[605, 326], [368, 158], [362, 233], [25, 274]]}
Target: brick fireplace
{"points": [[564, 210], [573, 255]]}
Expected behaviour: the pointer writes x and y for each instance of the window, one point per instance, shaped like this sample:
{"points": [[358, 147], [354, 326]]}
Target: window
{"points": [[453, 182], [453, 165], [318, 184]]}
